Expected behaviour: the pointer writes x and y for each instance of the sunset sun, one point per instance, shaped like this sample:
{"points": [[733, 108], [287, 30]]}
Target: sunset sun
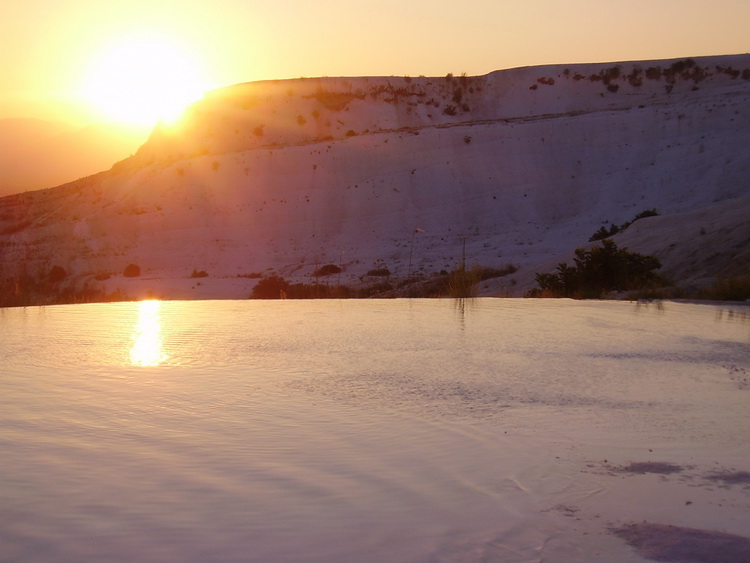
{"points": [[142, 80]]}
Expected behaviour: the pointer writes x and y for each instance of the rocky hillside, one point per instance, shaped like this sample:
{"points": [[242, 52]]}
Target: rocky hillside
{"points": [[518, 167]]}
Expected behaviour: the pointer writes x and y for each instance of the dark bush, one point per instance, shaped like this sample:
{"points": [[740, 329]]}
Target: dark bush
{"points": [[653, 72], [377, 289], [598, 271], [199, 274], [57, 274], [379, 272], [486, 272], [327, 270], [317, 291], [271, 287], [131, 271], [604, 232], [729, 289]]}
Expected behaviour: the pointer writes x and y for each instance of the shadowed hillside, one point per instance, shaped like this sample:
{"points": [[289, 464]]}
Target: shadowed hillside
{"points": [[518, 167]]}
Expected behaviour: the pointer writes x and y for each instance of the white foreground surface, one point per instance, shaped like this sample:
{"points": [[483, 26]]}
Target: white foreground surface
{"points": [[318, 431]]}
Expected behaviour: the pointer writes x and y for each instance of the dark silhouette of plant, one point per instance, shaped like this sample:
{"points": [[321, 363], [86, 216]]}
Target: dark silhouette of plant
{"points": [[327, 270], [379, 272], [728, 289], [57, 274], [604, 232], [598, 271], [270, 287], [641, 215], [653, 72], [335, 101], [462, 282], [486, 272], [132, 271], [199, 274]]}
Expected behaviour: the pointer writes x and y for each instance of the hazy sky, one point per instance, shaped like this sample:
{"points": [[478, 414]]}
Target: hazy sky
{"points": [[52, 48]]}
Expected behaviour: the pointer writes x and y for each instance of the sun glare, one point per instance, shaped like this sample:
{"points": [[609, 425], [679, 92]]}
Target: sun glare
{"points": [[142, 80]]}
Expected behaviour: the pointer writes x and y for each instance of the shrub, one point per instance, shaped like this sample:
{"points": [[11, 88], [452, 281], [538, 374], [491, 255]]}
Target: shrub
{"points": [[642, 215], [377, 289], [729, 289], [57, 274], [603, 232], [335, 101], [653, 73], [199, 274], [271, 287], [379, 272], [597, 271], [131, 271], [486, 273], [327, 270], [462, 283]]}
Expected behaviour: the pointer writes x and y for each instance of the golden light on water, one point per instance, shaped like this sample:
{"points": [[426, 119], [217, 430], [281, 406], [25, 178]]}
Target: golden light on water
{"points": [[148, 349]]}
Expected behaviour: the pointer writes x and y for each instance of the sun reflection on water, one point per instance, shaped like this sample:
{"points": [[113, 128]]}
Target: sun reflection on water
{"points": [[147, 347]]}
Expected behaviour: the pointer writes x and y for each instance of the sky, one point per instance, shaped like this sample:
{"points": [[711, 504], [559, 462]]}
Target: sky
{"points": [[88, 61]]}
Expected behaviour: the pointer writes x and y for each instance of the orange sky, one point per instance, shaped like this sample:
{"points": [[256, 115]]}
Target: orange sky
{"points": [[53, 50]]}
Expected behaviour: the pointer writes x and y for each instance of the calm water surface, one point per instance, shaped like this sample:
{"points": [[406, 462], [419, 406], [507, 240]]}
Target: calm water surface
{"points": [[402, 430]]}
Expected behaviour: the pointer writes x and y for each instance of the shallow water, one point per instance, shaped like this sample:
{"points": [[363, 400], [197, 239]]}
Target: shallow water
{"points": [[400, 430]]}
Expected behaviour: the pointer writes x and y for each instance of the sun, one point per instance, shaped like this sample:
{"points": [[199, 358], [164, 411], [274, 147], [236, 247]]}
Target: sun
{"points": [[141, 80]]}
